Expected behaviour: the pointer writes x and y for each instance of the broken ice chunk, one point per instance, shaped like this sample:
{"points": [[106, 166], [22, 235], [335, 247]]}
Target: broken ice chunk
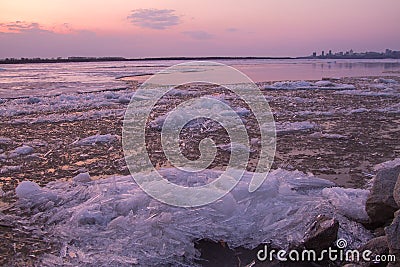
{"points": [[96, 139], [27, 189], [82, 178]]}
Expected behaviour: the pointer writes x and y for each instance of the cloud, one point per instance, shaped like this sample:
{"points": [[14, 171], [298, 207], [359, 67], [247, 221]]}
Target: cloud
{"points": [[232, 29], [198, 35], [19, 26], [158, 19]]}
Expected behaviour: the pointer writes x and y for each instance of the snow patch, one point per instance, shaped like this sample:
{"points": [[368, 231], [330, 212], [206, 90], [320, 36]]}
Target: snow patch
{"points": [[97, 139], [291, 127]]}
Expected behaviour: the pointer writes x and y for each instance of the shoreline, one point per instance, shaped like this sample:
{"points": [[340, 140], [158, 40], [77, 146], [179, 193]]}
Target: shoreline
{"points": [[337, 133], [354, 112]]}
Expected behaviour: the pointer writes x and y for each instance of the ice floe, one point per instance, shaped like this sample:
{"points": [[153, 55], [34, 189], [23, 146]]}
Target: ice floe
{"points": [[27, 189], [113, 222], [19, 151], [64, 102], [328, 136], [381, 93], [5, 140], [82, 177], [383, 80], [8, 169], [297, 126], [298, 85], [96, 139]]}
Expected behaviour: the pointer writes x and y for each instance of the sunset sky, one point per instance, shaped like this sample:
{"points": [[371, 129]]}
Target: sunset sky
{"points": [[153, 28]]}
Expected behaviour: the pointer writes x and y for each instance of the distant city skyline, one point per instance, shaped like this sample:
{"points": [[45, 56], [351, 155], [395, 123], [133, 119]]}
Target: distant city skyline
{"points": [[173, 28]]}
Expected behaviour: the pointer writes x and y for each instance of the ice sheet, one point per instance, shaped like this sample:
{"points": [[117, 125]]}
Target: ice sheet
{"points": [[113, 222]]}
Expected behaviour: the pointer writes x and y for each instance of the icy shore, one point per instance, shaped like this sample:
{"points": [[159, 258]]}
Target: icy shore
{"points": [[113, 222], [337, 132]]}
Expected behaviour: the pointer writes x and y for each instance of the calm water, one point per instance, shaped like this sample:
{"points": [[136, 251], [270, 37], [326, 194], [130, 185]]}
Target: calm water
{"points": [[51, 79]]}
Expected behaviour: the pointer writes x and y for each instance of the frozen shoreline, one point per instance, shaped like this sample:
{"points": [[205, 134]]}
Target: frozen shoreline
{"points": [[115, 213], [316, 127]]}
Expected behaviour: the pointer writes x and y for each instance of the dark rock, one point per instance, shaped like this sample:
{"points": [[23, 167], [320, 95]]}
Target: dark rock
{"points": [[380, 231], [380, 204], [321, 234], [393, 239], [396, 192], [378, 246], [220, 254]]}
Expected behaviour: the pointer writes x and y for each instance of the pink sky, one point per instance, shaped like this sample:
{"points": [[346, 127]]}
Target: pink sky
{"points": [[152, 28]]}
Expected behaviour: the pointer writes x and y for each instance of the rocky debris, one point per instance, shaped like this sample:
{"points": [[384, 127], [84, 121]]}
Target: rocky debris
{"points": [[96, 139], [378, 246], [380, 204], [322, 233], [393, 239], [82, 178], [1, 192]]}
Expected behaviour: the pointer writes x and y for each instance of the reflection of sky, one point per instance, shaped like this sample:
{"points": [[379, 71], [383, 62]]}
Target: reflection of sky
{"points": [[44, 79]]}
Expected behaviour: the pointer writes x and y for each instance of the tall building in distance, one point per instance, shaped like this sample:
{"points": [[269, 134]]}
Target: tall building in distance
{"points": [[351, 54]]}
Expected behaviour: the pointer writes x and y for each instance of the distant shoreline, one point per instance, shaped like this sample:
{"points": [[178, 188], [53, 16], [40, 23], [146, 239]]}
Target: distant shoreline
{"points": [[112, 59], [120, 59]]}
